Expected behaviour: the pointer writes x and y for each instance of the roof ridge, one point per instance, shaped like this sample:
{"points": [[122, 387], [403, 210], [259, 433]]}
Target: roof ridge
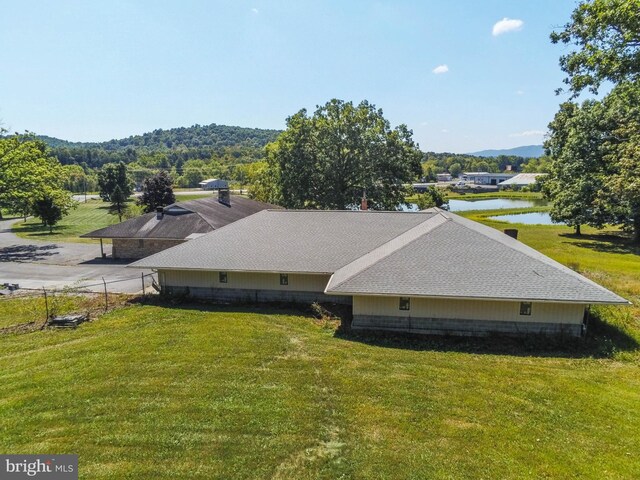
{"points": [[376, 255], [492, 234]]}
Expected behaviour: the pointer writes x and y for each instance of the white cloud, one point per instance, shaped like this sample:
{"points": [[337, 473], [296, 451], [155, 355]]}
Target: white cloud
{"points": [[507, 25], [254, 10], [440, 69], [529, 133], [444, 130], [519, 92]]}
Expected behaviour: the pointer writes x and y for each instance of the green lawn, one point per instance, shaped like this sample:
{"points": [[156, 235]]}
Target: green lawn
{"points": [[157, 392], [85, 218]]}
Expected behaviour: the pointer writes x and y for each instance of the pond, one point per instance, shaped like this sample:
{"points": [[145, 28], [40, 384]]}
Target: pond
{"points": [[457, 205], [533, 218]]}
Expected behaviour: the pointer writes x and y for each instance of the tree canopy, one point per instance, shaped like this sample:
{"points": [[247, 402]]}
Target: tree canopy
{"points": [[607, 36], [157, 192], [330, 159], [116, 186], [595, 146], [27, 169]]}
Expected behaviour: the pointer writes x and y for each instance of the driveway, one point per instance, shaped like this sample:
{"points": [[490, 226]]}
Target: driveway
{"points": [[34, 264]]}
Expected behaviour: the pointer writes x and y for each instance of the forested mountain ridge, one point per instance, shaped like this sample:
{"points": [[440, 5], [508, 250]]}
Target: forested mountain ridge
{"points": [[196, 136], [526, 151], [168, 148]]}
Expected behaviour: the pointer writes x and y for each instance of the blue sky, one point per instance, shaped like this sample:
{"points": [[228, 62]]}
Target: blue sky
{"points": [[91, 71]]}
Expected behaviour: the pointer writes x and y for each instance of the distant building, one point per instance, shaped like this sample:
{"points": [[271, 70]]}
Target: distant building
{"points": [[156, 231], [443, 177], [213, 184], [486, 178], [521, 180]]}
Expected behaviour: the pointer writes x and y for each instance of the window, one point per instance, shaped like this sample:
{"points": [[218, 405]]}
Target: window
{"points": [[405, 303], [222, 277], [525, 308], [140, 243], [284, 279]]}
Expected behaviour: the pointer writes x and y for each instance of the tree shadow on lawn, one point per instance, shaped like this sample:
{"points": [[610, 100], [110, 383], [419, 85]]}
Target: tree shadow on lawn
{"points": [[39, 230], [603, 339], [603, 242], [27, 253]]}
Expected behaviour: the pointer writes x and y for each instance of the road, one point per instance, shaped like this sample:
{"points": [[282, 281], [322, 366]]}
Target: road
{"points": [[33, 264]]}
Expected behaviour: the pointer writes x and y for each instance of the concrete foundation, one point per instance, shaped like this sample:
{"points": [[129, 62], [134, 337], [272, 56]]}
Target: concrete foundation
{"points": [[437, 326]]}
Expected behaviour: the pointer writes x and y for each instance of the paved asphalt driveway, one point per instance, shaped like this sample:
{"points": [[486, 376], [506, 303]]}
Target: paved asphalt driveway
{"points": [[33, 264]]}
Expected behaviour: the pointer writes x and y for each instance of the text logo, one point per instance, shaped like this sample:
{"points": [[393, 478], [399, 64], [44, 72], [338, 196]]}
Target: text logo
{"points": [[46, 467]]}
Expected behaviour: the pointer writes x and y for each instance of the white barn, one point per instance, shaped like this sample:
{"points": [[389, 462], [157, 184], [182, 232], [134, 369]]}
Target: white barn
{"points": [[214, 184], [426, 272]]}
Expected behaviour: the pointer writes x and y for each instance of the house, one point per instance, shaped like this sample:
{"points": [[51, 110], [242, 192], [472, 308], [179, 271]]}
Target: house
{"points": [[443, 177], [172, 225], [214, 184], [486, 178], [521, 180], [427, 272]]}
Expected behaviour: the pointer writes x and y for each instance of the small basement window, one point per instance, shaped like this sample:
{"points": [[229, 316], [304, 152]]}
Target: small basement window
{"points": [[284, 279], [405, 303], [525, 308], [222, 277]]}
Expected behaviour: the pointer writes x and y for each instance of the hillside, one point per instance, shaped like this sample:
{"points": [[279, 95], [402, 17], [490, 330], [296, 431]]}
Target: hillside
{"points": [[527, 151], [196, 136]]}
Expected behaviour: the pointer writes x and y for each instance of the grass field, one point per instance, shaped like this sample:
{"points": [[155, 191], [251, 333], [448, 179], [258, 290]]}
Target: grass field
{"points": [[89, 216], [156, 392], [85, 218]]}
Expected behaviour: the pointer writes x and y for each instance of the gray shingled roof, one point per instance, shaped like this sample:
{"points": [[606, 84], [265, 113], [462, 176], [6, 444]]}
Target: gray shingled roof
{"points": [[431, 254], [288, 241], [182, 219], [462, 258]]}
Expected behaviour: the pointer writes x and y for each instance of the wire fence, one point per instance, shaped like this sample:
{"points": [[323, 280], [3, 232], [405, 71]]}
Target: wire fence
{"points": [[35, 308]]}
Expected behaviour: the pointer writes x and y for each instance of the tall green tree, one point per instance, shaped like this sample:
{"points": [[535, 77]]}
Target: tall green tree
{"points": [[623, 153], [26, 169], [578, 171], [328, 160], [115, 186], [606, 34], [157, 191], [51, 205]]}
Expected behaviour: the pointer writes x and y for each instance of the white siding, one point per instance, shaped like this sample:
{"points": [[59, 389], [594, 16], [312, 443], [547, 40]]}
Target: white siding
{"points": [[468, 310], [243, 280]]}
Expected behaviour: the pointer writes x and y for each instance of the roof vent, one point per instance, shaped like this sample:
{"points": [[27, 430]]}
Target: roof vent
{"points": [[512, 232], [159, 213]]}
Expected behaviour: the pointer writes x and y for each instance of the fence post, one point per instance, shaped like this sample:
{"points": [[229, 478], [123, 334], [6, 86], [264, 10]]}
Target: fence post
{"points": [[106, 297], [142, 276], [46, 304]]}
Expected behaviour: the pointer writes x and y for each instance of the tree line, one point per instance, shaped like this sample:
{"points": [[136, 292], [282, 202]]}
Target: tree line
{"points": [[594, 145]]}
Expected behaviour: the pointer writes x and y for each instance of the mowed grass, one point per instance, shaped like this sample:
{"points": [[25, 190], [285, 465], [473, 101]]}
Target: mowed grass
{"points": [[157, 392], [86, 217]]}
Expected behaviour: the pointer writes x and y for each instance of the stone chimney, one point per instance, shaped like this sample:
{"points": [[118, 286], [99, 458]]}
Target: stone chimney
{"points": [[363, 203], [512, 232], [159, 213], [224, 197]]}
